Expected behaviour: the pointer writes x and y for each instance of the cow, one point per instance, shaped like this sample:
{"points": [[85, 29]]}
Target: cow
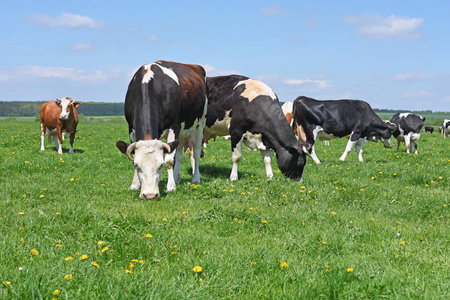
{"points": [[59, 117], [428, 129], [445, 128], [336, 119], [408, 130], [287, 111], [249, 111], [164, 100]]}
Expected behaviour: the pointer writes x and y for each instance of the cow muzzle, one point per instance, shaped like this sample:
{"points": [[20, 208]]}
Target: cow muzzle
{"points": [[150, 196]]}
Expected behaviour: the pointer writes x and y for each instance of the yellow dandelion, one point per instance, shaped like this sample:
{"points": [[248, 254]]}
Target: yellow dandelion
{"points": [[128, 271], [142, 262], [134, 260], [349, 270], [165, 220], [325, 243], [264, 221], [34, 252], [403, 242], [41, 196], [58, 213], [27, 162], [21, 213], [56, 292], [105, 249], [95, 264], [201, 280], [131, 266], [284, 264], [83, 257], [68, 258], [148, 235], [68, 276], [253, 263], [6, 282], [72, 179], [333, 212], [21, 228], [197, 269], [184, 212], [100, 243]]}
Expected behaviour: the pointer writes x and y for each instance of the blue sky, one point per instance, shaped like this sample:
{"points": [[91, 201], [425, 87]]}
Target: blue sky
{"points": [[392, 54]]}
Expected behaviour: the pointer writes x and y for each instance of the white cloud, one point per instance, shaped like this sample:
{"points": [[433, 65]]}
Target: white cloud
{"points": [[81, 47], [408, 76], [64, 20], [274, 9], [153, 38], [420, 94], [321, 84], [212, 71], [377, 27], [27, 73]]}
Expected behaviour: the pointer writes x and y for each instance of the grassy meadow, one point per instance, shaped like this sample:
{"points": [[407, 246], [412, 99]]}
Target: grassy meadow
{"points": [[71, 229]]}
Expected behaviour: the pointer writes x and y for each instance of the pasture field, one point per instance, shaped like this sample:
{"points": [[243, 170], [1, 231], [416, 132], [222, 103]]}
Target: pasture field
{"points": [[71, 229]]}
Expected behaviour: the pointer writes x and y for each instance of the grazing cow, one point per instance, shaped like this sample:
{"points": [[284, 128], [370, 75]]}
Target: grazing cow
{"points": [[408, 129], [337, 119], [164, 100], [249, 111], [445, 128], [428, 129], [57, 118]]}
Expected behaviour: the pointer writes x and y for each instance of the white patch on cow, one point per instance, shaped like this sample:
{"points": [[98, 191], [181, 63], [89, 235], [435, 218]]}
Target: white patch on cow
{"points": [[133, 136], [253, 142], [404, 115], [220, 128], [255, 88], [148, 74], [169, 73]]}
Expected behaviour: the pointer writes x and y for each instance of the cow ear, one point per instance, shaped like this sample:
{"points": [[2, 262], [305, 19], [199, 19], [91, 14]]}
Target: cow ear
{"points": [[58, 102], [172, 146], [423, 119], [122, 146], [76, 104]]}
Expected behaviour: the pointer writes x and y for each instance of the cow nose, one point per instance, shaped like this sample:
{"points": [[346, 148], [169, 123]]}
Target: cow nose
{"points": [[150, 196]]}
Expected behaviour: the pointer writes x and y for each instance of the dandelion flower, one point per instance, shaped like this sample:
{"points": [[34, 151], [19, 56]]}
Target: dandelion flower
{"points": [[148, 235], [34, 252], [105, 249], [100, 243], [83, 257], [403, 242], [333, 212], [325, 243], [131, 266], [6, 282], [21, 213], [68, 258], [68, 276], [128, 271], [264, 221], [197, 269], [284, 264], [349, 270], [56, 292], [95, 264]]}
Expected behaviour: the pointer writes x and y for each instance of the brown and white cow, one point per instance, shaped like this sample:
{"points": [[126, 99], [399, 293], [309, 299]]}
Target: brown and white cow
{"points": [[59, 117]]}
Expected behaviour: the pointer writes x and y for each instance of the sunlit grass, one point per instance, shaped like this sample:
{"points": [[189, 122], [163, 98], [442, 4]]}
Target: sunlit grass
{"points": [[71, 228]]}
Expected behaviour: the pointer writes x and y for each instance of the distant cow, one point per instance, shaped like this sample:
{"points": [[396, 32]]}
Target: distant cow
{"points": [[428, 129], [249, 111], [408, 129], [445, 128], [164, 100], [59, 117], [337, 119]]}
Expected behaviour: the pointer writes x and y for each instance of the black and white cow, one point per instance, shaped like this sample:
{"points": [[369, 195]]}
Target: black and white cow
{"points": [[408, 130], [249, 111], [428, 129], [445, 128], [164, 100], [339, 118]]}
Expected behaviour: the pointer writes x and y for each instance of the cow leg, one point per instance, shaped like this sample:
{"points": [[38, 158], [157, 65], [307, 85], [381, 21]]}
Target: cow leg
{"points": [[408, 142], [72, 138], [136, 183], [398, 144], [169, 160], [42, 136], [236, 157], [267, 162], [197, 152], [349, 148], [358, 148]]}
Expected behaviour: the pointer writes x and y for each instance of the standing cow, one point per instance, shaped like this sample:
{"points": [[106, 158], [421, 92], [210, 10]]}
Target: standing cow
{"points": [[408, 130], [445, 128], [337, 119], [249, 111], [164, 100], [57, 118]]}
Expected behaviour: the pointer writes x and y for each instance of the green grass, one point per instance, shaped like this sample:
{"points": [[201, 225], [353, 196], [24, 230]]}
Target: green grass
{"points": [[344, 215]]}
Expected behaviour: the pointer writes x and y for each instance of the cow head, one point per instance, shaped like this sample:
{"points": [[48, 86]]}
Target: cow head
{"points": [[66, 105], [384, 134], [293, 162], [148, 161]]}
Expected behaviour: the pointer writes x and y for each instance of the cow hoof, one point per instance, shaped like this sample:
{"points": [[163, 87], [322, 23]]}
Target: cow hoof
{"points": [[233, 178], [170, 189]]}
